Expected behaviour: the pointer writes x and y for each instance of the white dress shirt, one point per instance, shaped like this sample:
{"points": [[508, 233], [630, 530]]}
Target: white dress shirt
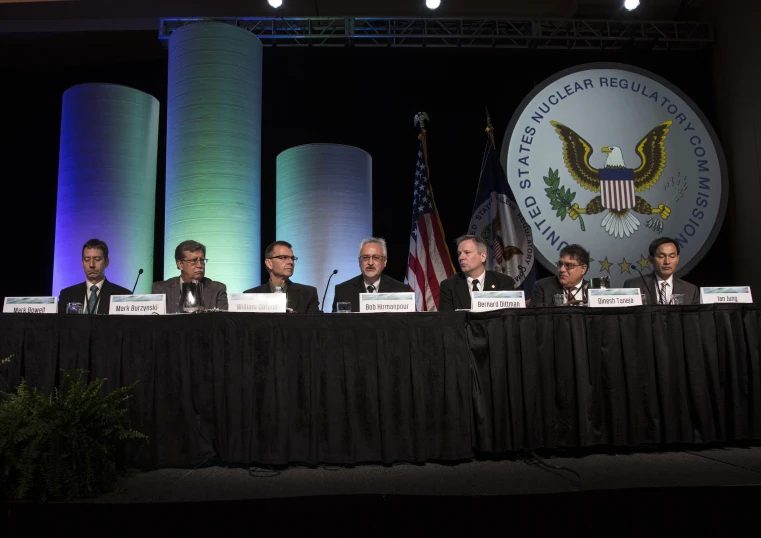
{"points": [[481, 282]]}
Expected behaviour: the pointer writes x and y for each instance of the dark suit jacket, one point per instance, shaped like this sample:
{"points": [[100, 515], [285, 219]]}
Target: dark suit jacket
{"points": [[349, 291], [690, 291], [546, 288], [214, 293], [301, 298], [76, 294], [454, 293]]}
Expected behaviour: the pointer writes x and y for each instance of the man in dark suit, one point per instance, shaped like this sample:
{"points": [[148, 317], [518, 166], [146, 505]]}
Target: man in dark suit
{"points": [[95, 293], [280, 262], [454, 292], [373, 256], [190, 257], [661, 285], [569, 282]]}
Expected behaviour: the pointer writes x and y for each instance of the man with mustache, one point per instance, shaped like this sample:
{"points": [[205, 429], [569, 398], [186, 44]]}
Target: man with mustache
{"points": [[660, 285], [373, 256], [95, 293], [191, 260]]}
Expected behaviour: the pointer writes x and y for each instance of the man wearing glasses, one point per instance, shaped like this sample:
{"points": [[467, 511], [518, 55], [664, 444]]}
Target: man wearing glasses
{"points": [[373, 256], [569, 282], [191, 260], [661, 285], [280, 262], [471, 255]]}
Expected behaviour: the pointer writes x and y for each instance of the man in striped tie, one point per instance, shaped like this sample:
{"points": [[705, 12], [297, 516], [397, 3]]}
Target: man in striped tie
{"points": [[661, 286]]}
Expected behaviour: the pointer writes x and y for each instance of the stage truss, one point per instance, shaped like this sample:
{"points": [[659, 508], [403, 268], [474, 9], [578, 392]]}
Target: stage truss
{"points": [[555, 34]]}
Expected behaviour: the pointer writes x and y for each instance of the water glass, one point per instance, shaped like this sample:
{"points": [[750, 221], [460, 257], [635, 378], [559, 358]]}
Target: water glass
{"points": [[677, 298], [74, 308], [343, 308], [558, 299]]}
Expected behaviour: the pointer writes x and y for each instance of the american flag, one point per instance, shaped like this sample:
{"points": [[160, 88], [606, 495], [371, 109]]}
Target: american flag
{"points": [[429, 262], [617, 186]]}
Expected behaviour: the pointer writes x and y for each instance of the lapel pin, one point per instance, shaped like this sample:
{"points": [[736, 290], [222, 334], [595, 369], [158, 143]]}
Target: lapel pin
{"points": [[492, 286]]}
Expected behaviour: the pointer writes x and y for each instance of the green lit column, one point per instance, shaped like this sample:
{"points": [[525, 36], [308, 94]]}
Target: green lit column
{"points": [[213, 162]]}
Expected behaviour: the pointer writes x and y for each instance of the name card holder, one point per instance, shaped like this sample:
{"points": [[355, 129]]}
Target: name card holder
{"points": [[483, 301], [138, 305], [614, 297], [30, 305], [270, 303], [726, 294], [387, 302]]}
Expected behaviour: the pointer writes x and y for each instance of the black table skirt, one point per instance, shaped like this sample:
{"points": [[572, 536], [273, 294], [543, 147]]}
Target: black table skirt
{"points": [[414, 387], [625, 376], [267, 388]]}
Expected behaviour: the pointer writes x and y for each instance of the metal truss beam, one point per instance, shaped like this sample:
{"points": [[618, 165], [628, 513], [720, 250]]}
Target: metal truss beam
{"points": [[557, 34]]}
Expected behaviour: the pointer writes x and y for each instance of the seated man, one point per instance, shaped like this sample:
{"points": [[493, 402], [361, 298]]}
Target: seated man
{"points": [[373, 256], [280, 262], [190, 257], [569, 282], [660, 285], [454, 292], [95, 293]]}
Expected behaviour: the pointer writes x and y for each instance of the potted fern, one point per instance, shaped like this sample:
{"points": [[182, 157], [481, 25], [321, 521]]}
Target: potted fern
{"points": [[70, 444]]}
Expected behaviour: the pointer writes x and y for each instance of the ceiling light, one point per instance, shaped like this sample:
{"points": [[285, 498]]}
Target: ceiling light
{"points": [[277, 3], [631, 4], [432, 4]]}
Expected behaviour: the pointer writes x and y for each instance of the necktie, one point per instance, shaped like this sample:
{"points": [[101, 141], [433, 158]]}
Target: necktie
{"points": [[664, 292], [370, 288], [475, 285], [93, 299], [571, 292]]}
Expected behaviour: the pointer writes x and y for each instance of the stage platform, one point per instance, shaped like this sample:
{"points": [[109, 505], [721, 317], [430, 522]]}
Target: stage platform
{"points": [[684, 490]]}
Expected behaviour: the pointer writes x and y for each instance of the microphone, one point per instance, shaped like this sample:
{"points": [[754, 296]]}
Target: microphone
{"points": [[326, 290], [140, 272], [644, 284]]}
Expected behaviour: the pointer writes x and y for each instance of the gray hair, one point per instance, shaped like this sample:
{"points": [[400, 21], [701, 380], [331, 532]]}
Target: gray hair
{"points": [[379, 240], [481, 245]]}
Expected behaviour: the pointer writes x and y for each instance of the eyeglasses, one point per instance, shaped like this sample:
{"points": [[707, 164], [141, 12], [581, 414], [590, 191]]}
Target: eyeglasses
{"points": [[283, 258], [374, 257], [197, 261], [568, 265]]}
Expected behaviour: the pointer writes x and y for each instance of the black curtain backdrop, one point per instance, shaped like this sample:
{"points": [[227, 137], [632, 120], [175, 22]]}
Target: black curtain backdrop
{"points": [[362, 97]]}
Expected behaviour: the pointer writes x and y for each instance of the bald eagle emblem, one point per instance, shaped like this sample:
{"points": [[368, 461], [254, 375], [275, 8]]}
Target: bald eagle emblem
{"points": [[618, 185], [502, 253]]}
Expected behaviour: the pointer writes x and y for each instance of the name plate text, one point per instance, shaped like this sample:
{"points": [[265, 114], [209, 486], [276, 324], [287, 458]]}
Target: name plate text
{"points": [[138, 305], [613, 297], [257, 302], [483, 301], [30, 305], [387, 302], [726, 294]]}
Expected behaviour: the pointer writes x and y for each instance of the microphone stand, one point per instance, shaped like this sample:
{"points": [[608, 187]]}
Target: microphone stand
{"points": [[140, 272], [644, 284], [326, 290]]}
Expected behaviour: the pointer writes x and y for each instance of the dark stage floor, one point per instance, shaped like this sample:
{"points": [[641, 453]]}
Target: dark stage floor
{"points": [[695, 491]]}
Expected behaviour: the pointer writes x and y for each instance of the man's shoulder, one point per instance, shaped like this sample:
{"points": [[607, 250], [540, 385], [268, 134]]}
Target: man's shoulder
{"points": [[73, 287], [264, 288], [353, 281], [388, 283], [295, 286], [685, 283], [116, 289], [546, 281], [213, 283], [457, 277], [500, 276]]}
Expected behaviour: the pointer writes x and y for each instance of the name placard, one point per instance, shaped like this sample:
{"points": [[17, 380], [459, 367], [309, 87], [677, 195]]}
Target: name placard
{"points": [[483, 301], [256, 302], [387, 302], [30, 305], [138, 305], [609, 297], [726, 294]]}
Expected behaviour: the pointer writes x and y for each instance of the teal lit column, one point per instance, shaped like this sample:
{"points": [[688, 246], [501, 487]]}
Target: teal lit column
{"points": [[106, 182], [213, 161]]}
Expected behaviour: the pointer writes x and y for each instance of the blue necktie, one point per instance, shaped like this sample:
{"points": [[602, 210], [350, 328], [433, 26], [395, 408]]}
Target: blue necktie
{"points": [[93, 299]]}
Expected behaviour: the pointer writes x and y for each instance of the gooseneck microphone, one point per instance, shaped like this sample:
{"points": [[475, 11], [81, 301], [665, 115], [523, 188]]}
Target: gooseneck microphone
{"points": [[326, 290], [140, 272], [644, 283]]}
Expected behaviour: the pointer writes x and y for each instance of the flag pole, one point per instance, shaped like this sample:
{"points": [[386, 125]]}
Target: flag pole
{"points": [[421, 118]]}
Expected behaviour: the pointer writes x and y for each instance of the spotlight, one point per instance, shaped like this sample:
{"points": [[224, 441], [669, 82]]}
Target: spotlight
{"points": [[277, 3], [432, 4], [631, 4]]}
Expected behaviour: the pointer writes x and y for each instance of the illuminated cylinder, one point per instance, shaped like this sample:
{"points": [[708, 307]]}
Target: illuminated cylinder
{"points": [[324, 208], [213, 154], [106, 182]]}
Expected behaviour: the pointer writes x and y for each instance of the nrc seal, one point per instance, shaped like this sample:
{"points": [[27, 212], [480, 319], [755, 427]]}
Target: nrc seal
{"points": [[611, 157]]}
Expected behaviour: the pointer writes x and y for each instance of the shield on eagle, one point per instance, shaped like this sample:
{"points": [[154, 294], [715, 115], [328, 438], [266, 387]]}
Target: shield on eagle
{"points": [[617, 188]]}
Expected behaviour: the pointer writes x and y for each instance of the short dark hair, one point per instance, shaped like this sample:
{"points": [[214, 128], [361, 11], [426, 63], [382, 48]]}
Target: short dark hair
{"points": [[481, 245], [96, 243], [188, 246], [270, 249], [576, 251], [662, 241]]}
